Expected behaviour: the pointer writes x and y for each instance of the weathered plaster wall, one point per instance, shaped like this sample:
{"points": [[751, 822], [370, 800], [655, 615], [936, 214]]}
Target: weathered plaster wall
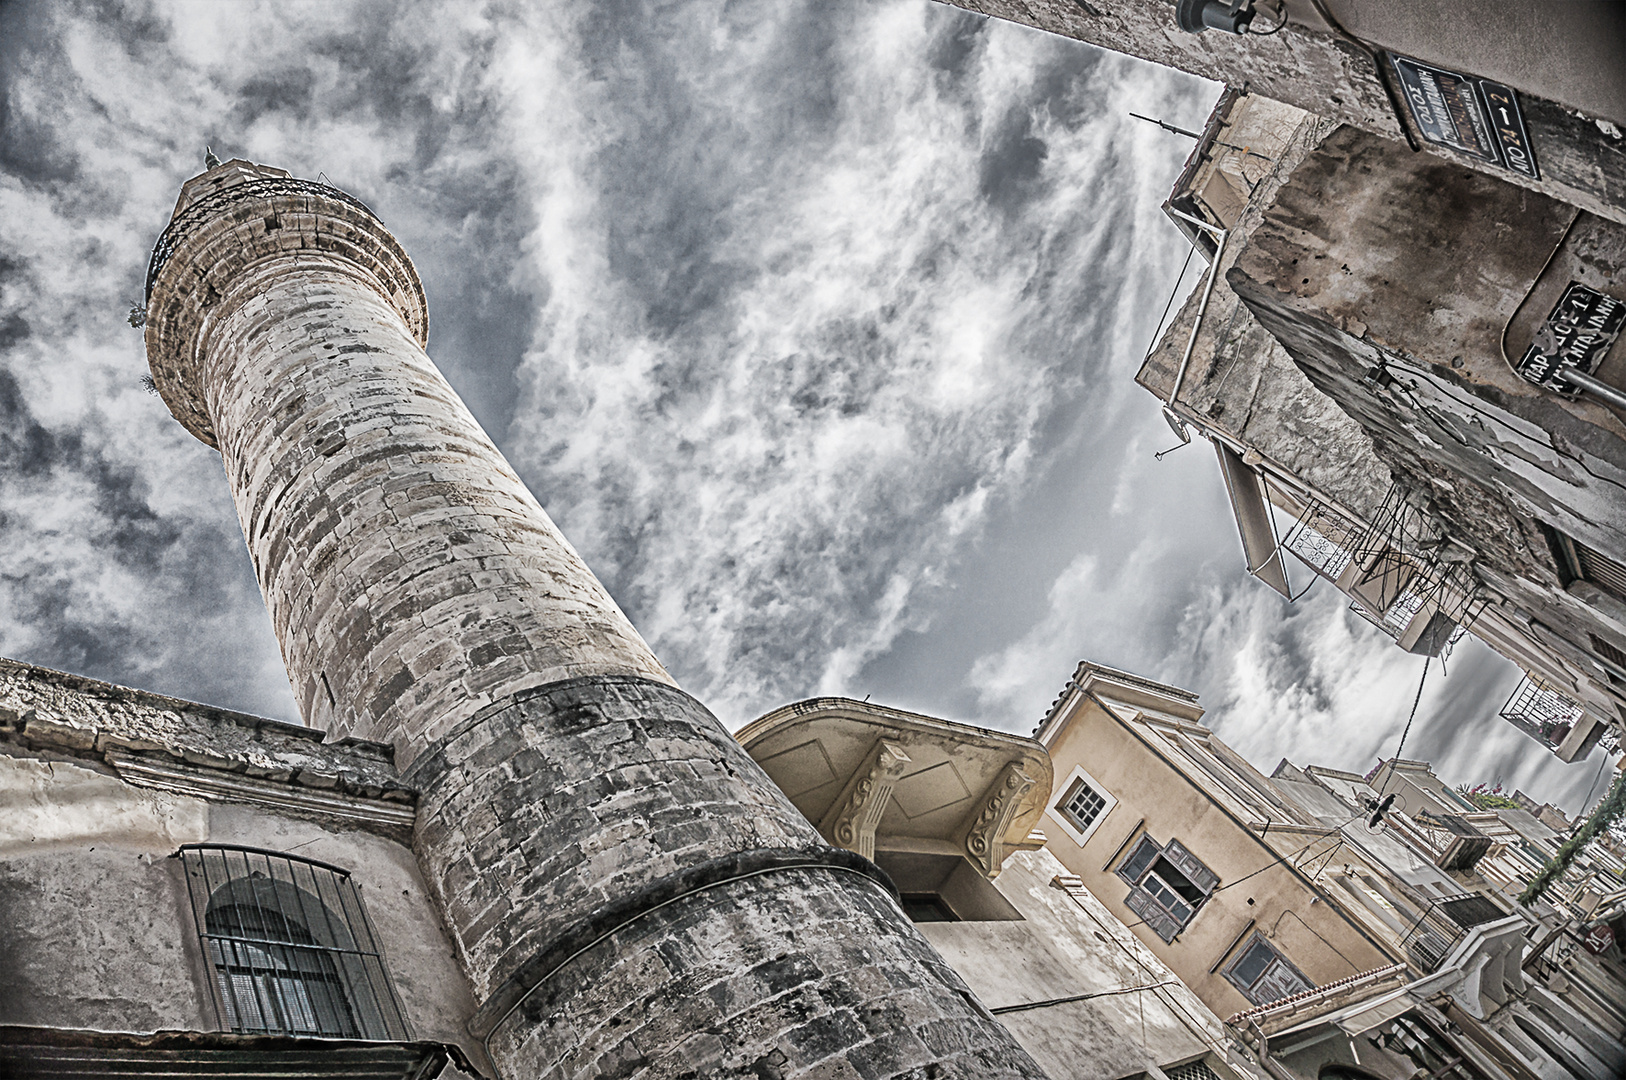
{"points": [[1157, 798], [1069, 945], [99, 929], [53, 709], [1239, 381], [1371, 257], [1582, 161]]}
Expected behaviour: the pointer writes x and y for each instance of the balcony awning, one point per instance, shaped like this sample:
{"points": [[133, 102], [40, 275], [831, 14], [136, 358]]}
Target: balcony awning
{"points": [[1259, 544], [27, 1053]]}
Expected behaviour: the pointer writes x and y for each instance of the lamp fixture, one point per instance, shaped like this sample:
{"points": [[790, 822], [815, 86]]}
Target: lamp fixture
{"points": [[1231, 16]]}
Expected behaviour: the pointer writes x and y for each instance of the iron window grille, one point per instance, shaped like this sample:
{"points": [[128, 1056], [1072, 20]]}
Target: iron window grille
{"points": [[1265, 975], [1191, 1070], [289, 945], [1083, 805], [1167, 885]]}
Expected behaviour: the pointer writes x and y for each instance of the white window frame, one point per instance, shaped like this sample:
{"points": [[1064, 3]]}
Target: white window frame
{"points": [[1060, 794]]}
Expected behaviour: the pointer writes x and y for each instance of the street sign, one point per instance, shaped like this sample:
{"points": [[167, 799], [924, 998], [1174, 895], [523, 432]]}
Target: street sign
{"points": [[1576, 336], [1472, 116]]}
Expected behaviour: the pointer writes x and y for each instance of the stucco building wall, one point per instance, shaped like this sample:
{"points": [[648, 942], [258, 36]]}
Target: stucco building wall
{"points": [[99, 929], [1156, 797]]}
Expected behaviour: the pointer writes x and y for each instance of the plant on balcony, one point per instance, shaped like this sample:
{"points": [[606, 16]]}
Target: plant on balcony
{"points": [[1609, 811], [1486, 797]]}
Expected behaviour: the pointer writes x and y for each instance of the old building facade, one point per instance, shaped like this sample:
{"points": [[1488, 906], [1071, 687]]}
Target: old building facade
{"points": [[228, 880], [1333, 934], [1406, 342], [953, 814], [1362, 482]]}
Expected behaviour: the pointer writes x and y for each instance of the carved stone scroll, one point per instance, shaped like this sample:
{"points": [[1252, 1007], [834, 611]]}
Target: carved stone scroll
{"points": [[852, 819], [985, 829]]}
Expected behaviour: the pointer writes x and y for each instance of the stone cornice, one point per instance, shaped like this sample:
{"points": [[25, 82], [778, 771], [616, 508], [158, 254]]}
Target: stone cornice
{"points": [[163, 742], [155, 772], [199, 261]]}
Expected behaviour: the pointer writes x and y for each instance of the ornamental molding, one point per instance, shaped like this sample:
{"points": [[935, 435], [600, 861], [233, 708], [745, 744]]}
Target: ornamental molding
{"points": [[853, 818], [233, 787], [985, 829]]}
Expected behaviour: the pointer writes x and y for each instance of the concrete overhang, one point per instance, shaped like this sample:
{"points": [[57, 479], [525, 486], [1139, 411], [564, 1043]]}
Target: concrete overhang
{"points": [[873, 778]]}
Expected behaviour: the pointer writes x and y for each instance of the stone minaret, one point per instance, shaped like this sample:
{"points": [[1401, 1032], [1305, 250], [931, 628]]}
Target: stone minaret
{"points": [[628, 893]]}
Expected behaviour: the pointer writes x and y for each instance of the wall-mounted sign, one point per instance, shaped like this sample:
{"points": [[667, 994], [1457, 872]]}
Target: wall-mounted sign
{"points": [[1598, 939], [1576, 336], [1472, 116]]}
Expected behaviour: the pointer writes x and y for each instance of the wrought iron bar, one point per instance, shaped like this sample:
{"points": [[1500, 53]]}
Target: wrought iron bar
{"points": [[290, 945]]}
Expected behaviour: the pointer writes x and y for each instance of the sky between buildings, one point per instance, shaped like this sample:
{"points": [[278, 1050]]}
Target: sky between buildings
{"points": [[812, 324]]}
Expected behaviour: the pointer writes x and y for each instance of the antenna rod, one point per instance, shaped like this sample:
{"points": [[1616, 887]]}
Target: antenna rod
{"points": [[1166, 127]]}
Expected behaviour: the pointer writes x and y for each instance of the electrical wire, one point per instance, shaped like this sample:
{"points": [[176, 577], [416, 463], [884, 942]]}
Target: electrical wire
{"points": [[1594, 784], [1413, 716], [1277, 861]]}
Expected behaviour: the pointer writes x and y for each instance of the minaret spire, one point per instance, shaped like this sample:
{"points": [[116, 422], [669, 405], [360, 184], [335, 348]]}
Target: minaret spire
{"points": [[209, 159], [628, 892]]}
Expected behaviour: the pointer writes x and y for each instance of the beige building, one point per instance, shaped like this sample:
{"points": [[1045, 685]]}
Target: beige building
{"points": [[952, 813], [1288, 899], [1187, 844]]}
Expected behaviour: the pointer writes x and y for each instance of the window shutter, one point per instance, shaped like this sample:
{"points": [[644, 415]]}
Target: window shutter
{"points": [[1134, 867], [1145, 905], [1189, 865]]}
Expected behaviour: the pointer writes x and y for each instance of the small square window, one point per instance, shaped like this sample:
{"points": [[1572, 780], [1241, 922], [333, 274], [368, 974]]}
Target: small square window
{"points": [[1080, 805], [1083, 804]]}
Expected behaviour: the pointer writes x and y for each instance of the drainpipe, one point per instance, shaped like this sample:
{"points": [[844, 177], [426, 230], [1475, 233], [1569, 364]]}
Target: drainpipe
{"points": [[1596, 387], [1261, 1054], [1208, 291]]}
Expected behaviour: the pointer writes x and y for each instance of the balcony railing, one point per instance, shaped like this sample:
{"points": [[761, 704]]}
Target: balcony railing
{"points": [[1541, 712], [1442, 926]]}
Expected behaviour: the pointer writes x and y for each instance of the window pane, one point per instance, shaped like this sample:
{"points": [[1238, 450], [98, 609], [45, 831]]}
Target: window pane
{"points": [[1139, 859], [1083, 805], [1278, 981], [1169, 900], [1264, 975], [927, 907], [1255, 959], [289, 946], [1192, 867]]}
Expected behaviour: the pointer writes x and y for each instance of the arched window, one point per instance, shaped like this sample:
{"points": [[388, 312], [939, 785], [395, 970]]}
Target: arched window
{"points": [[289, 945]]}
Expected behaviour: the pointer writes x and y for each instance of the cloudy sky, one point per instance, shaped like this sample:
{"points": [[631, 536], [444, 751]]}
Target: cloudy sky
{"points": [[811, 322]]}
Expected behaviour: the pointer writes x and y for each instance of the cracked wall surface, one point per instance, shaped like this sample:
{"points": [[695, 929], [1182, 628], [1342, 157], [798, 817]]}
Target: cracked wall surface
{"points": [[1582, 158], [1391, 279]]}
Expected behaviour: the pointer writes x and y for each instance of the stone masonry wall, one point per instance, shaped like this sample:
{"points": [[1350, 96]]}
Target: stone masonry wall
{"points": [[601, 849]]}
